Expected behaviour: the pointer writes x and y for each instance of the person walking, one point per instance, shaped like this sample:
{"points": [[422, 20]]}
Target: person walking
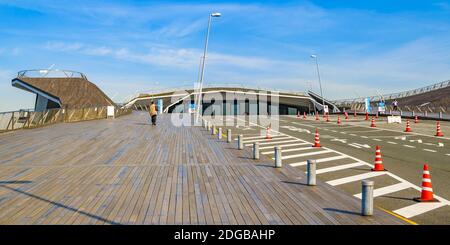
{"points": [[395, 105], [153, 112]]}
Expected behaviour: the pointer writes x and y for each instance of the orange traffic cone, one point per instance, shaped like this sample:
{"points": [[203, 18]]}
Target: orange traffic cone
{"points": [[378, 160], [346, 115], [438, 130], [354, 114], [339, 120], [416, 119], [317, 116], [298, 114], [372, 125], [367, 116], [376, 115], [317, 139], [426, 194], [268, 136], [304, 115], [408, 126], [328, 119]]}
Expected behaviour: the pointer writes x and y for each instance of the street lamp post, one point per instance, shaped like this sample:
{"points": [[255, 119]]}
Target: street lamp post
{"points": [[320, 82], [202, 74]]}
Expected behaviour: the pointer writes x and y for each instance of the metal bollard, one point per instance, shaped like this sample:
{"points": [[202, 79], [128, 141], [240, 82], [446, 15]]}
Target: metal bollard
{"points": [[413, 113], [219, 134], [440, 115], [426, 113], [256, 151], [240, 142], [229, 135], [208, 127], [278, 156], [367, 197], [311, 172], [213, 130]]}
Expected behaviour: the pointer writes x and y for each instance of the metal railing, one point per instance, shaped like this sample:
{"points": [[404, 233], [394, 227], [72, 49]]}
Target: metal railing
{"points": [[50, 73], [25, 119], [399, 95]]}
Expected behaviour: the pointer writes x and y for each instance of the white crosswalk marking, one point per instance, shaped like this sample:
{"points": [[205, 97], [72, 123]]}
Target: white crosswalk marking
{"points": [[354, 178], [387, 190], [340, 167], [288, 150], [259, 140], [328, 159], [305, 154], [419, 208], [271, 142], [287, 145]]}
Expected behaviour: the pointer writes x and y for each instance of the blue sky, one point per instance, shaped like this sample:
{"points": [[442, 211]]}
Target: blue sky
{"points": [[364, 47]]}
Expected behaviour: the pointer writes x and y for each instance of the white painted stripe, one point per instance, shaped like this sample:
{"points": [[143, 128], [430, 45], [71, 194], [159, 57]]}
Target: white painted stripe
{"points": [[387, 190], [377, 140], [340, 167], [426, 180], [328, 159], [271, 142], [419, 208], [447, 154], [410, 146], [429, 150], [306, 154], [354, 178], [427, 189], [428, 143], [352, 134], [280, 138], [288, 150], [390, 142], [287, 145], [364, 137], [426, 172]]}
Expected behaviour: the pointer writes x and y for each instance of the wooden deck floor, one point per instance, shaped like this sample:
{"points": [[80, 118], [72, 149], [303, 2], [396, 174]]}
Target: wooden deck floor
{"points": [[124, 171]]}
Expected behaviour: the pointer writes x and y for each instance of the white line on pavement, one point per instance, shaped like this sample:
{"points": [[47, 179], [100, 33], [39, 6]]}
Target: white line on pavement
{"points": [[429, 150], [305, 154], [419, 208], [288, 150], [271, 142], [390, 142], [388, 189], [260, 140], [410, 146], [354, 178], [328, 159], [287, 145], [340, 167]]}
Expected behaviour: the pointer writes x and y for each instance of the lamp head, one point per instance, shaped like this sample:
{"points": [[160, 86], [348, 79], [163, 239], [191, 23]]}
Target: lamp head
{"points": [[216, 14], [313, 56]]}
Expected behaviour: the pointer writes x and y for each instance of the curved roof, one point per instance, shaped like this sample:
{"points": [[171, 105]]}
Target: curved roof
{"points": [[68, 92]]}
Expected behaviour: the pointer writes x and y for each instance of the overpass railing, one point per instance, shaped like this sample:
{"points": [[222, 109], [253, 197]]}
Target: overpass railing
{"points": [[24, 119], [393, 96]]}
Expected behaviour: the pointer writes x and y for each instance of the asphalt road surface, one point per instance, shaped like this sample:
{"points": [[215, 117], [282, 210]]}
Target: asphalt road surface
{"points": [[348, 152]]}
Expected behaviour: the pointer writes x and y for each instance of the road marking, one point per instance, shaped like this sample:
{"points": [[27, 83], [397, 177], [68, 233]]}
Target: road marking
{"points": [[428, 143], [447, 154], [364, 137], [343, 133], [288, 150], [410, 146], [429, 150], [328, 159], [340, 167], [277, 142], [281, 138], [399, 216], [356, 145], [340, 140], [288, 145], [399, 179], [353, 134], [260, 137], [306, 154], [386, 190], [390, 142], [419, 208], [377, 140], [354, 178]]}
